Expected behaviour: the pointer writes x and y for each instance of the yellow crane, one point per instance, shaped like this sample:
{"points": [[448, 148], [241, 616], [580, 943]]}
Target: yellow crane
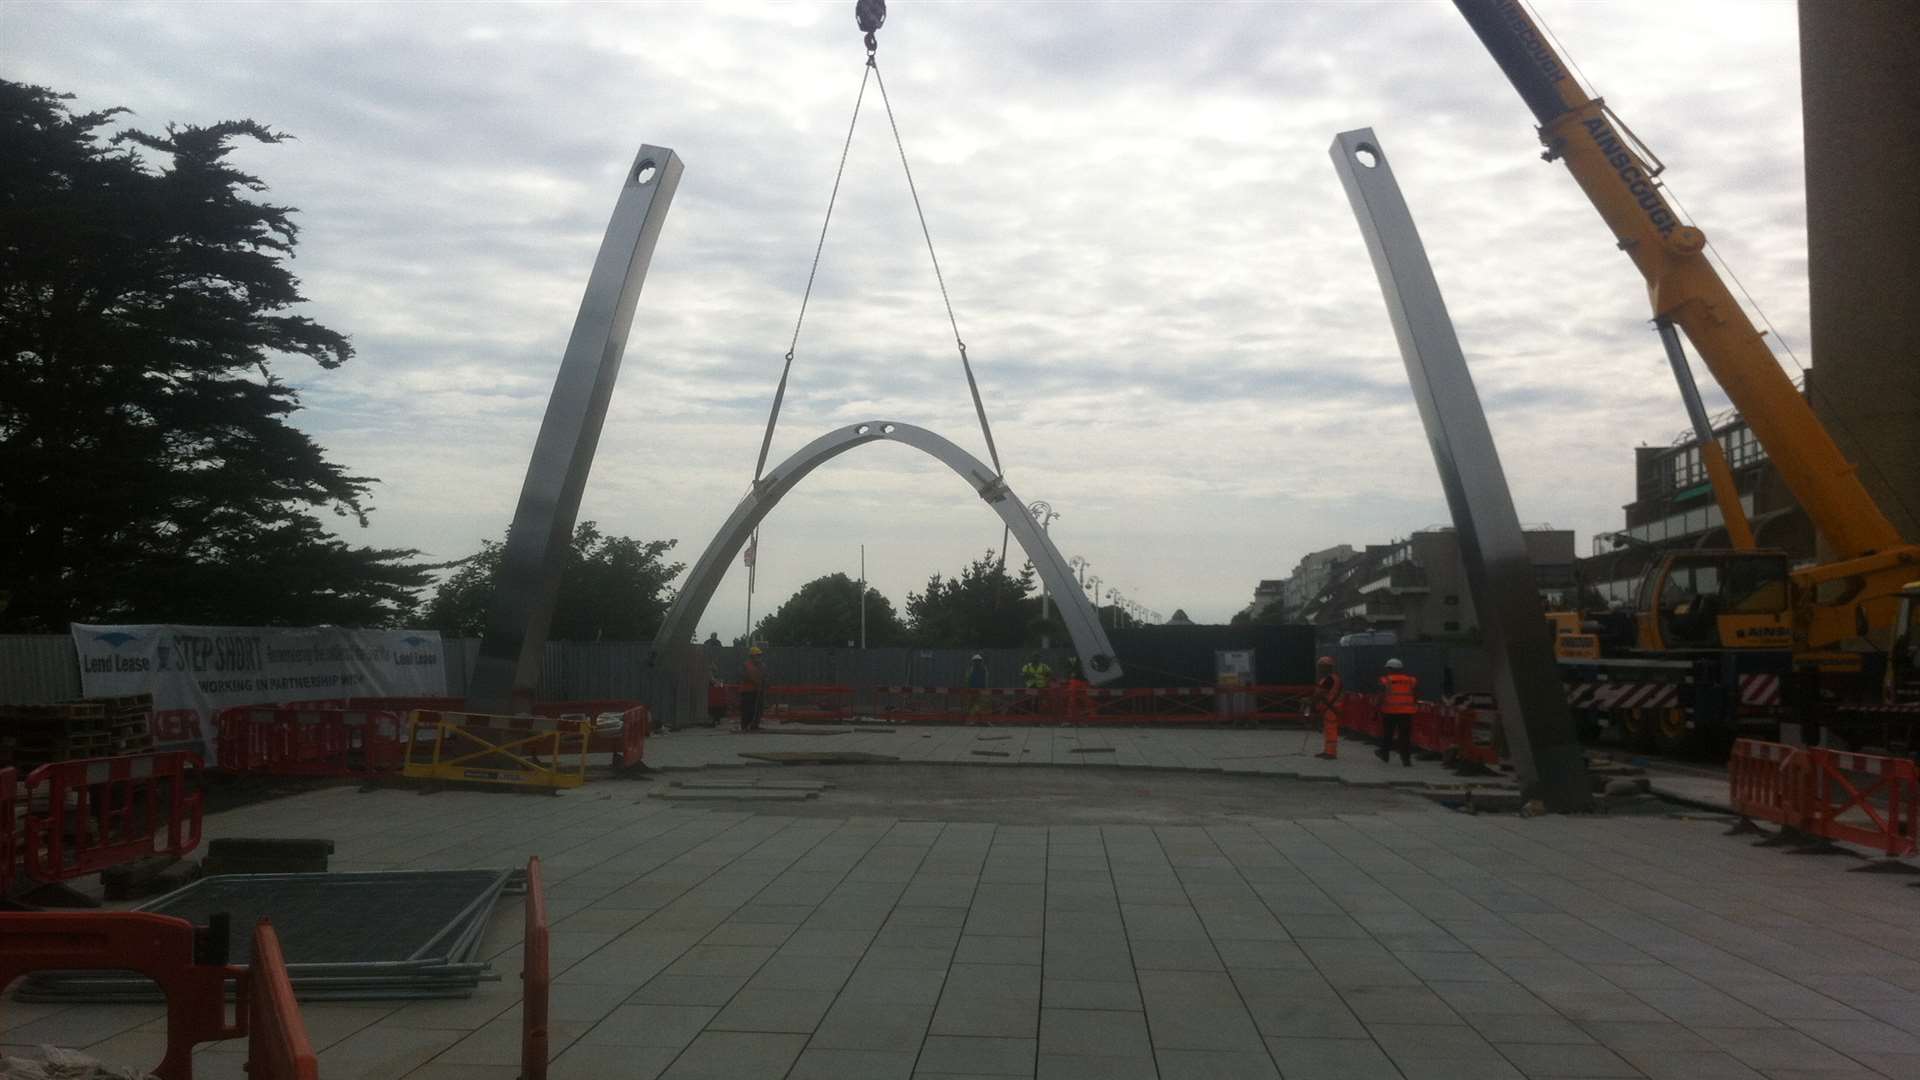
{"points": [[1743, 598]]}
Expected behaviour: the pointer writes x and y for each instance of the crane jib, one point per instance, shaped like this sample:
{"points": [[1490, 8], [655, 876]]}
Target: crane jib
{"points": [[1627, 166], [1531, 42]]}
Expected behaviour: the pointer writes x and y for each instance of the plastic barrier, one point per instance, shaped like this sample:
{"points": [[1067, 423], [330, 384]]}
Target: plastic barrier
{"points": [[309, 740], [1466, 714], [101, 812], [163, 948], [277, 1043], [496, 749], [802, 702], [1865, 799], [9, 837], [627, 742], [1770, 781], [1275, 703], [1358, 715], [1153, 705], [537, 979]]}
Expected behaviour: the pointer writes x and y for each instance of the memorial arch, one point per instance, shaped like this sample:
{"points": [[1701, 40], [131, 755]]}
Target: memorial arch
{"points": [[1082, 620]]}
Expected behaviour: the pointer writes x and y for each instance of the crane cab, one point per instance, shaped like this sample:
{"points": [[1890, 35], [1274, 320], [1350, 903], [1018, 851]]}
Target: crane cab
{"points": [[1699, 600]]}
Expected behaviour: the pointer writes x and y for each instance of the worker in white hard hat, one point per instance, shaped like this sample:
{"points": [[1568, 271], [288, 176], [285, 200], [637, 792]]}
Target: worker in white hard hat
{"points": [[976, 688], [1398, 702], [753, 688]]}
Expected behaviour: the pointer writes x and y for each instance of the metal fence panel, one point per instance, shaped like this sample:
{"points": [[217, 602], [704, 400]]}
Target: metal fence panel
{"points": [[38, 669]]}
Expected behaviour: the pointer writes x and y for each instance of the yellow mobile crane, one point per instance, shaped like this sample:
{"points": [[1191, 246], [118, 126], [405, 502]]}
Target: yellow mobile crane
{"points": [[1745, 599]]}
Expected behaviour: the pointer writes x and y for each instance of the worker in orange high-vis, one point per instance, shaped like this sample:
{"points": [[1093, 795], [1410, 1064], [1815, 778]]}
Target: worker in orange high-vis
{"points": [[1397, 703], [1326, 703]]}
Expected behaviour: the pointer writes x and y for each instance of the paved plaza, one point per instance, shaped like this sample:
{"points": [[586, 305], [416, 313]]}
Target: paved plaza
{"points": [[1285, 928]]}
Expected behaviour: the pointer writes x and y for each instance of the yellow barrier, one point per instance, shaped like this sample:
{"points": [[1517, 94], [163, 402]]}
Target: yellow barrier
{"points": [[497, 749]]}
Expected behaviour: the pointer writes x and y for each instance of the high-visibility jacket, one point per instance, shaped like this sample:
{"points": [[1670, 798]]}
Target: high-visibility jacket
{"points": [[1328, 691], [754, 676], [1037, 676], [1397, 693]]}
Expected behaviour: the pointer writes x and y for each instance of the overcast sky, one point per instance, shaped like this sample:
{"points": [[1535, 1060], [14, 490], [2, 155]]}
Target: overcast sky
{"points": [[1178, 335]]}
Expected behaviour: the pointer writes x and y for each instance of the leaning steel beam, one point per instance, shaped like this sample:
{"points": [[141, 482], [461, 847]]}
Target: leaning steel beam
{"points": [[1083, 623], [517, 621], [1526, 683]]}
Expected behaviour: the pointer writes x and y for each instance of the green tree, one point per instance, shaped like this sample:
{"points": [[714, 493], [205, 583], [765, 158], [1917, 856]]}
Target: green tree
{"points": [[147, 468], [613, 588], [984, 607], [826, 611]]}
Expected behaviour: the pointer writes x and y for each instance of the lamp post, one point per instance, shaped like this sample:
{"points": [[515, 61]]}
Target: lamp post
{"points": [[1044, 513], [1080, 564]]}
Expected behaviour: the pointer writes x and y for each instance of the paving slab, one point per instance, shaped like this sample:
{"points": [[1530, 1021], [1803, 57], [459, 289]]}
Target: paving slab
{"points": [[1113, 920]]}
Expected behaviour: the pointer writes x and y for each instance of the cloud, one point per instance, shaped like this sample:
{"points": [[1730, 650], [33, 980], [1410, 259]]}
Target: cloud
{"points": [[1172, 318]]}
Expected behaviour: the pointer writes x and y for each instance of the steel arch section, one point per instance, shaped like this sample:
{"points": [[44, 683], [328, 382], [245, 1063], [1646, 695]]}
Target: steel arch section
{"points": [[1083, 622]]}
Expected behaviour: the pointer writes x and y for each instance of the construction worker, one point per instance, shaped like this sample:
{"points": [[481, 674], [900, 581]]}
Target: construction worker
{"points": [[1036, 673], [976, 688], [753, 686], [1326, 703], [1397, 703]]}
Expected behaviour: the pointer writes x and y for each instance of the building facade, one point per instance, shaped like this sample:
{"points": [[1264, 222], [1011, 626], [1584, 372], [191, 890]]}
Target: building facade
{"points": [[1674, 508]]}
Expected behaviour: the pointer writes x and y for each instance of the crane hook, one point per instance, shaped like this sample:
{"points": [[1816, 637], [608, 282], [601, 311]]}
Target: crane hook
{"points": [[871, 15]]}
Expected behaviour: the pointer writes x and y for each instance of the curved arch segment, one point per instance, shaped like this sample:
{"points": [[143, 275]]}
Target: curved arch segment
{"points": [[1083, 623]]}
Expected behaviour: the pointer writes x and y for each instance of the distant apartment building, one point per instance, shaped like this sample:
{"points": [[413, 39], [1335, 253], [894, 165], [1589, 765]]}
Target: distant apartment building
{"points": [[1674, 507], [1416, 587]]}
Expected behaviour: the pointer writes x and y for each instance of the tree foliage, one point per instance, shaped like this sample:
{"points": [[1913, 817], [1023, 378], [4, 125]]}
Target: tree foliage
{"points": [[147, 468], [826, 611], [984, 607], [613, 588]]}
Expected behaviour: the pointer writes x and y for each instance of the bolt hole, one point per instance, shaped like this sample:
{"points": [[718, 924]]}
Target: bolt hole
{"points": [[643, 172], [862, 429], [887, 429], [1367, 155]]}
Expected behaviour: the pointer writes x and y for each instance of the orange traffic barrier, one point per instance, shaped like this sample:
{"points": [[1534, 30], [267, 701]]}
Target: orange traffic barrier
{"points": [[309, 740], [9, 838], [627, 741], [102, 812], [1770, 781], [277, 1043], [1465, 714], [1865, 799], [537, 979], [160, 947]]}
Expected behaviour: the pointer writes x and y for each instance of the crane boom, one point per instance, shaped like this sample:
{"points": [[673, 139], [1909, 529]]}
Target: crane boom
{"points": [[1682, 285]]}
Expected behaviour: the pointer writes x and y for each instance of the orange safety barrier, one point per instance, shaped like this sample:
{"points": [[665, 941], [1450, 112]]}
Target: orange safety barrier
{"points": [[160, 947], [1878, 811], [1358, 715], [1465, 713], [1154, 705], [1279, 702], [9, 838], [803, 701], [536, 976], [277, 1043], [1770, 781], [310, 740], [627, 742], [101, 812]]}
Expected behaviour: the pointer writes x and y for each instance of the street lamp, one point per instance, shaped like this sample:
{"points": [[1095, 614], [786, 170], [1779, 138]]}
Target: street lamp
{"points": [[1080, 564], [1044, 513]]}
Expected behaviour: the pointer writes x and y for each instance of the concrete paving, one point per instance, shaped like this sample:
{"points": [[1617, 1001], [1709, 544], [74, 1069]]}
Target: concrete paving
{"points": [[1334, 931]]}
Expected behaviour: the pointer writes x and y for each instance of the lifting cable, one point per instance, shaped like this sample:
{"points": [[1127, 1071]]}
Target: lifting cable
{"points": [[870, 15]]}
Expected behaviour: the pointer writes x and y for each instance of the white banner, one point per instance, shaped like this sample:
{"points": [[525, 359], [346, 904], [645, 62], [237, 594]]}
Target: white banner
{"points": [[195, 671]]}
